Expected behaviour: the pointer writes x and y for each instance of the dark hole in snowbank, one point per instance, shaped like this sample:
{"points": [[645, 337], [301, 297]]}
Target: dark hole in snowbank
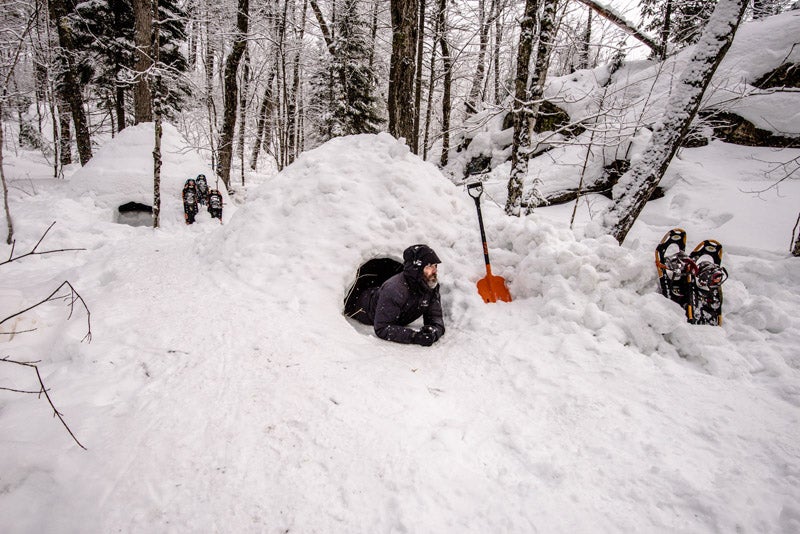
{"points": [[135, 214], [373, 273]]}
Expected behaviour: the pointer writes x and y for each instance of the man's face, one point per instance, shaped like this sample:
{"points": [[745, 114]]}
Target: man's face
{"points": [[429, 274]]}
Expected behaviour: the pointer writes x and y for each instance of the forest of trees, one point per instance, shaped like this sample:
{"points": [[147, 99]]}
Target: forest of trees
{"points": [[254, 84]]}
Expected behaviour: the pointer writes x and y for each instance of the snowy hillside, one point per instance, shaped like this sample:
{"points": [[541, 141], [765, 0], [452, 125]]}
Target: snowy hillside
{"points": [[224, 391]]}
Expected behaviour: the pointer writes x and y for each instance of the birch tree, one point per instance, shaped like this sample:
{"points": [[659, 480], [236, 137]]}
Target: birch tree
{"points": [[635, 186]]}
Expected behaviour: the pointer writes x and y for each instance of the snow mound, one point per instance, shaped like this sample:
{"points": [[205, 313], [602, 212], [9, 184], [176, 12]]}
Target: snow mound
{"points": [[352, 199], [115, 175], [301, 238]]}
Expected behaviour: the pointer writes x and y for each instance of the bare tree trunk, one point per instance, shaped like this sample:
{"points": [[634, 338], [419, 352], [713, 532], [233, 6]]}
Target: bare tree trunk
{"points": [[192, 29], [429, 105], [9, 224], [211, 109], [264, 114], [447, 65], [293, 128], [374, 33], [71, 89], [796, 246], [521, 110], [231, 88], [157, 93], [405, 20], [418, 80], [637, 185], [498, 35], [665, 30], [475, 96], [243, 107], [547, 31], [585, 46], [143, 29], [65, 130]]}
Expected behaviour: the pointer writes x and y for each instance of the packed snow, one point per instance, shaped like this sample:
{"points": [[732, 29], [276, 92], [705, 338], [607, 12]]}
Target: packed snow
{"points": [[224, 391]]}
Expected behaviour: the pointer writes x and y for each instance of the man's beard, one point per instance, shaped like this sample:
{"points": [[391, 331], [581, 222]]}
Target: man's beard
{"points": [[431, 281]]}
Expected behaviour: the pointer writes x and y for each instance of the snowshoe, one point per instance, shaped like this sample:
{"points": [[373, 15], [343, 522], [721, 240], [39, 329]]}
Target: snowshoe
{"points": [[189, 196], [215, 204], [675, 268], [202, 189], [706, 304]]}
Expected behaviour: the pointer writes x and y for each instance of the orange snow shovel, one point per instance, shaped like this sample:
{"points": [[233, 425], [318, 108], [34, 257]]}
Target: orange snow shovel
{"points": [[491, 288]]}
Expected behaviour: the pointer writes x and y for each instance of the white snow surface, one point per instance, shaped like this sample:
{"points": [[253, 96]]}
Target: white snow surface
{"points": [[224, 391]]}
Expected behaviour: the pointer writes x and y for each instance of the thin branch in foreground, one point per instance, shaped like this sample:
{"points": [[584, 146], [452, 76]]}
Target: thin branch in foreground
{"points": [[72, 297], [47, 396], [33, 251]]}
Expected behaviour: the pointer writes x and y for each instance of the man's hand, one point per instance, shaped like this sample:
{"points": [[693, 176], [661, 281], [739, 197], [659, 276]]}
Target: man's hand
{"points": [[426, 336]]}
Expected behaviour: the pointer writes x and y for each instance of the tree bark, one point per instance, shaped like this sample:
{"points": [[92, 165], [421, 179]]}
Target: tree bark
{"points": [[477, 80], [447, 66], [9, 224], [264, 114], [243, 107], [157, 94], [71, 89], [637, 185], [64, 130], [418, 78], [231, 89], [401, 69], [547, 36], [143, 29], [520, 110]]}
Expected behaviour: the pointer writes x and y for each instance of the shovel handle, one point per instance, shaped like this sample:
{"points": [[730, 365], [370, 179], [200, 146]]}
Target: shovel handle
{"points": [[478, 187], [475, 186]]}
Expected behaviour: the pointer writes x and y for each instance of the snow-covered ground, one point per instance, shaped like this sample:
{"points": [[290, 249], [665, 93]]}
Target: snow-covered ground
{"points": [[224, 391]]}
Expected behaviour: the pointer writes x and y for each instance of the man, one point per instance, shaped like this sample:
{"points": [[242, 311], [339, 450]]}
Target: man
{"points": [[403, 298]]}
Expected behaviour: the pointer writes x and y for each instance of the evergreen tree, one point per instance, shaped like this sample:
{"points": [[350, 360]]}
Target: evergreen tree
{"points": [[343, 89], [104, 36], [358, 111]]}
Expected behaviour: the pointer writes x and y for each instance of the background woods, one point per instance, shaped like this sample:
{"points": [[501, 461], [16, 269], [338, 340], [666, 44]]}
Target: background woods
{"points": [[254, 85]]}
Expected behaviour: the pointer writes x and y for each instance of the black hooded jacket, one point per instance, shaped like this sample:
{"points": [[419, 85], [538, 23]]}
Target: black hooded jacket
{"points": [[402, 299]]}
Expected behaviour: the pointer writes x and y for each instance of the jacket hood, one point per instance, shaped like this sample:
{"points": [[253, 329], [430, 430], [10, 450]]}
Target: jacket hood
{"points": [[415, 258]]}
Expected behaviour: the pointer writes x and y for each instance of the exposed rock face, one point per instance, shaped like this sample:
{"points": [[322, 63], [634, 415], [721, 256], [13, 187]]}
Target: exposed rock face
{"points": [[785, 76], [732, 128]]}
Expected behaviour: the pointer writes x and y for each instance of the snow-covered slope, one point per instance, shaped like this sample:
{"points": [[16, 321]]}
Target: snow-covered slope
{"points": [[223, 390]]}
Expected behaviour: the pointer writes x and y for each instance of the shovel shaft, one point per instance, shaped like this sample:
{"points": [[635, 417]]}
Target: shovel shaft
{"points": [[483, 236]]}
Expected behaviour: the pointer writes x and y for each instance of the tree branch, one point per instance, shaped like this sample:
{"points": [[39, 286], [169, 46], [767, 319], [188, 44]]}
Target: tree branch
{"points": [[33, 250], [72, 298], [607, 13], [47, 395]]}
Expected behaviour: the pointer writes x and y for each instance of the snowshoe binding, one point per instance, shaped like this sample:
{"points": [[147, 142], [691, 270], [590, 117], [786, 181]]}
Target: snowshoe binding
{"points": [[189, 196], [215, 204], [675, 268], [706, 302], [202, 189]]}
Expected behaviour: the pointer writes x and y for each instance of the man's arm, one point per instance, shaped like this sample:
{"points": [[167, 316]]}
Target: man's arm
{"points": [[387, 311], [434, 317]]}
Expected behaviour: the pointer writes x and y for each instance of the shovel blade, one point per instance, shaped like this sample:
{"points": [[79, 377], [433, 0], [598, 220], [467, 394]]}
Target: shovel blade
{"points": [[493, 288]]}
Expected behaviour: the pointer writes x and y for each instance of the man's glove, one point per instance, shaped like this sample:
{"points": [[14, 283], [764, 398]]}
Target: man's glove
{"points": [[426, 336]]}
